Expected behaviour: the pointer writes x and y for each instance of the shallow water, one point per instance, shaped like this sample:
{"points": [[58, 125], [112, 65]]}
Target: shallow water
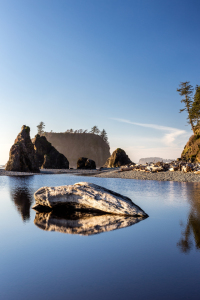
{"points": [[156, 258]]}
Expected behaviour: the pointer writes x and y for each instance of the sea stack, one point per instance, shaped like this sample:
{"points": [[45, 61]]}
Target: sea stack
{"points": [[48, 157], [22, 156], [117, 159]]}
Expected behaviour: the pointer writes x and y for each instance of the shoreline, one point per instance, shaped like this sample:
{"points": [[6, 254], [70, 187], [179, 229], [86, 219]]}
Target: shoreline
{"points": [[77, 172], [178, 176], [159, 176]]}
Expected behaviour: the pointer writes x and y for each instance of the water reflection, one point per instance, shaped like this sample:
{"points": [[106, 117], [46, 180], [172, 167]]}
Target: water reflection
{"points": [[82, 223], [21, 195], [191, 231]]}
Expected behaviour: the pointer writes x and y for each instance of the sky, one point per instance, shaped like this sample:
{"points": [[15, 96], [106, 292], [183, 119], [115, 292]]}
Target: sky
{"points": [[115, 64]]}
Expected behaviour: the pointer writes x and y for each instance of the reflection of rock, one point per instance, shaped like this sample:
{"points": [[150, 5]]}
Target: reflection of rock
{"points": [[82, 223], [84, 195], [117, 159], [22, 199], [22, 157], [192, 228], [48, 157]]}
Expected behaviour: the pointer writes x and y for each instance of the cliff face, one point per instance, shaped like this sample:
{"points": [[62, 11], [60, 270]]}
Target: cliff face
{"points": [[75, 145], [191, 151]]}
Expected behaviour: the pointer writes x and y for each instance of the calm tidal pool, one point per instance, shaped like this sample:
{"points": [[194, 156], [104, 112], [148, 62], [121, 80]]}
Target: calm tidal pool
{"points": [[156, 258]]}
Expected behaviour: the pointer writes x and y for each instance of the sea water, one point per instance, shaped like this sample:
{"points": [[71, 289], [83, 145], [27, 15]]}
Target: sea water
{"points": [[157, 258]]}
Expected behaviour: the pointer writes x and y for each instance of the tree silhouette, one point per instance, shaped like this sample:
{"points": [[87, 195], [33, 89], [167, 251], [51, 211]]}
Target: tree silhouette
{"points": [[95, 130], [104, 136], [195, 109], [40, 128]]}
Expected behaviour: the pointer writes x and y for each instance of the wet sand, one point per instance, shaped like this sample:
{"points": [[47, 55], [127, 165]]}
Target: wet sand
{"points": [[114, 173], [50, 171]]}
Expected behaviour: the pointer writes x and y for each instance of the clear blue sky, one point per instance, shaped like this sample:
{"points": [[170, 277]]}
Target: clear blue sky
{"points": [[115, 64]]}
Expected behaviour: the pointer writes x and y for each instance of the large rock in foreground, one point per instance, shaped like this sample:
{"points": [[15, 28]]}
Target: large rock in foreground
{"points": [[48, 157], [117, 159], [191, 152], [86, 196], [82, 223], [86, 163], [22, 156]]}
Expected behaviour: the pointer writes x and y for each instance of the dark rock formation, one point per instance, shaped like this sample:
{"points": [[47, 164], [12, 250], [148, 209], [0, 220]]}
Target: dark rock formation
{"points": [[48, 157], [85, 163], [117, 159], [191, 152], [22, 156], [75, 145]]}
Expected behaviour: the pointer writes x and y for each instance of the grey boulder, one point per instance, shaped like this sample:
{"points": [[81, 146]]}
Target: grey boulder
{"points": [[86, 196]]}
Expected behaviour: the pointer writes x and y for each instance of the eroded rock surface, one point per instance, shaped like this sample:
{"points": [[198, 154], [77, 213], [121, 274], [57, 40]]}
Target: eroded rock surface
{"points": [[82, 223], [117, 159], [48, 157], [86, 196], [191, 152], [22, 156]]}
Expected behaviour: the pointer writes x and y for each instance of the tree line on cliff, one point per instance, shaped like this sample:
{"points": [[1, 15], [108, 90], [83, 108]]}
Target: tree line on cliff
{"points": [[94, 130], [191, 102]]}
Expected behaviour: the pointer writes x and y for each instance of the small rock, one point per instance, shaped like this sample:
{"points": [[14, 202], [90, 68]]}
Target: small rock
{"points": [[85, 163]]}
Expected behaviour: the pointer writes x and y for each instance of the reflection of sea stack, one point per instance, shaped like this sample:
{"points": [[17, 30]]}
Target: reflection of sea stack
{"points": [[22, 157], [22, 199], [82, 223], [117, 159], [192, 229]]}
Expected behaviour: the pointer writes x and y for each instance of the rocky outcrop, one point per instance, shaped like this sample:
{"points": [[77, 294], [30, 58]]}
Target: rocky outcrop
{"points": [[191, 152], [86, 196], [75, 145], [117, 159], [22, 156], [48, 157], [86, 163], [82, 223]]}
